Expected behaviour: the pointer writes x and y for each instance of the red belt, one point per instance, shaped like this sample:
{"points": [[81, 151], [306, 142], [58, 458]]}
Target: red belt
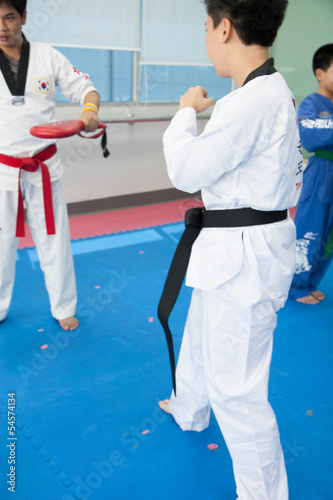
{"points": [[31, 164]]}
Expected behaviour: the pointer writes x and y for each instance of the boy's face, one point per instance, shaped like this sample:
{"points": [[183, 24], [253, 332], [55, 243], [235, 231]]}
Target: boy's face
{"points": [[215, 47], [325, 79], [211, 42], [10, 27]]}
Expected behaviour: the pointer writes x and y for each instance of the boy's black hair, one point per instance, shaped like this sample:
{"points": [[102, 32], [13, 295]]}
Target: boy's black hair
{"points": [[19, 5], [255, 21], [323, 58]]}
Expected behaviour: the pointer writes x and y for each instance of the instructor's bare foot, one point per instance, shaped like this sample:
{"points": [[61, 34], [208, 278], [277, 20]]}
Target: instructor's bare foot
{"points": [[308, 299], [317, 294], [70, 323], [164, 405]]}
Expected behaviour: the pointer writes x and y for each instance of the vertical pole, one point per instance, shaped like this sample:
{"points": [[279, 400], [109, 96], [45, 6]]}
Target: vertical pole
{"points": [[137, 58], [136, 76]]}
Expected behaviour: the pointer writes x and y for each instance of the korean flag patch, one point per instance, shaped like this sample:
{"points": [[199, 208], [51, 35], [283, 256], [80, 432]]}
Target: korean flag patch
{"points": [[43, 85]]}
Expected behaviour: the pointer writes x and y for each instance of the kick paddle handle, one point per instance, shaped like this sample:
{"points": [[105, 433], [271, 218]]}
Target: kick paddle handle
{"points": [[101, 125]]}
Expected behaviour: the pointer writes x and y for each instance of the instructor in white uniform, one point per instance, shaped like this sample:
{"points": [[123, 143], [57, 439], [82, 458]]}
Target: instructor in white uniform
{"points": [[248, 157], [29, 73]]}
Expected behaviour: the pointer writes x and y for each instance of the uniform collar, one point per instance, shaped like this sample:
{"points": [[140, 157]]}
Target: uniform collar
{"points": [[17, 88], [265, 69]]}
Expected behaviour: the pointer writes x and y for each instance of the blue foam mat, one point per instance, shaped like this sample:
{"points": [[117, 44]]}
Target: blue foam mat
{"points": [[83, 403]]}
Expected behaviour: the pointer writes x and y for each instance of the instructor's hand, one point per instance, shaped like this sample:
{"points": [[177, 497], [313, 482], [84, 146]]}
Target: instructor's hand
{"points": [[90, 120], [197, 98]]}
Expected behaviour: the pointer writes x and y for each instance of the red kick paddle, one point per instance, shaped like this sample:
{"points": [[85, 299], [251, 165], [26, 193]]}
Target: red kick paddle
{"points": [[65, 128]]}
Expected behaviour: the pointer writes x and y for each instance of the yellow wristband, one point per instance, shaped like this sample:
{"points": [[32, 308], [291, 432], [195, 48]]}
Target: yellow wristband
{"points": [[90, 104], [90, 109]]}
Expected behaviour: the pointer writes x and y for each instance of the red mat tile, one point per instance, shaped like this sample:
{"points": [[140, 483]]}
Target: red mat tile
{"points": [[128, 219]]}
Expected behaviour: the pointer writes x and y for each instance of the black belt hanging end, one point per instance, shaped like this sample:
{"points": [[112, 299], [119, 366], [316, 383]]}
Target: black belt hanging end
{"points": [[195, 219], [164, 322], [175, 278], [106, 152]]}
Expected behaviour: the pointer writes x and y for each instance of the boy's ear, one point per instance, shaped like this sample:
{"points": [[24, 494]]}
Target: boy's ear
{"points": [[319, 73], [225, 28]]}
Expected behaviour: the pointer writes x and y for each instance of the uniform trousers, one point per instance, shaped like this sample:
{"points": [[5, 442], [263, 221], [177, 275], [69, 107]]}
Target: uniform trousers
{"points": [[224, 365], [54, 251], [314, 223]]}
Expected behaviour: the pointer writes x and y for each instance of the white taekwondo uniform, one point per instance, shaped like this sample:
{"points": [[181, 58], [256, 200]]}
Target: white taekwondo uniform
{"points": [[47, 68], [249, 155]]}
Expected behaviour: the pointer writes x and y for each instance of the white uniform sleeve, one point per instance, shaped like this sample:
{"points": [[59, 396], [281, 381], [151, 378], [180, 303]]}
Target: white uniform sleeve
{"points": [[195, 162], [73, 84], [244, 125]]}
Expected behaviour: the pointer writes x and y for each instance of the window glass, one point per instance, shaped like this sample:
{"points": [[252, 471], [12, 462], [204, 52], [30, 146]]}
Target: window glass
{"points": [[111, 71], [161, 83], [107, 24]]}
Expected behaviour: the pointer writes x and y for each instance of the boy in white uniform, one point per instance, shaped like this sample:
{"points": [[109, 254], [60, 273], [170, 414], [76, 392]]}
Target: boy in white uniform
{"points": [[248, 157], [29, 74]]}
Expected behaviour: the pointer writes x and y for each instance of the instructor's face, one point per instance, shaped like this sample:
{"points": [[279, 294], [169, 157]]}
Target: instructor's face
{"points": [[10, 27]]}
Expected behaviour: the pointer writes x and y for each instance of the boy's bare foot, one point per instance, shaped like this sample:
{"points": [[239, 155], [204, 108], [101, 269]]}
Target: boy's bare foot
{"points": [[317, 294], [69, 323], [164, 405], [308, 299]]}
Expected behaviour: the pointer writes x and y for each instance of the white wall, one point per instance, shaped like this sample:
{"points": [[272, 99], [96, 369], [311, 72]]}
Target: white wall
{"points": [[136, 163]]}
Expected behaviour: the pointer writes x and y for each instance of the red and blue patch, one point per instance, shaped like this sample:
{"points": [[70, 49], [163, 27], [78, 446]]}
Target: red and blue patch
{"points": [[43, 85]]}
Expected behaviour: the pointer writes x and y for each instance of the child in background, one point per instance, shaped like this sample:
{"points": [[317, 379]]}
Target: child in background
{"points": [[314, 215]]}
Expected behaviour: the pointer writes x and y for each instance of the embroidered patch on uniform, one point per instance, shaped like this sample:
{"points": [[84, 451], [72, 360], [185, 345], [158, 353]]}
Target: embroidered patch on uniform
{"points": [[325, 114], [302, 262], [79, 73], [43, 85], [18, 101], [310, 235]]}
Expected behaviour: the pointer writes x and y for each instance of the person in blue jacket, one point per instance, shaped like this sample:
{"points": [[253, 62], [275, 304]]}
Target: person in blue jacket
{"points": [[314, 215]]}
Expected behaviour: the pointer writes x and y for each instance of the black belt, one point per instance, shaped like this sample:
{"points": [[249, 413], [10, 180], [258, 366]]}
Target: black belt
{"points": [[195, 220]]}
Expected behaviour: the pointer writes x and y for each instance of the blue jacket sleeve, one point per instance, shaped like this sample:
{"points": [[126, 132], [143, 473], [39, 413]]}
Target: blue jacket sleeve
{"points": [[315, 132]]}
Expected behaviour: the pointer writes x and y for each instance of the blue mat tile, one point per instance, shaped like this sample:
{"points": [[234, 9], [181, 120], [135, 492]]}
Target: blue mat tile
{"points": [[83, 403]]}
